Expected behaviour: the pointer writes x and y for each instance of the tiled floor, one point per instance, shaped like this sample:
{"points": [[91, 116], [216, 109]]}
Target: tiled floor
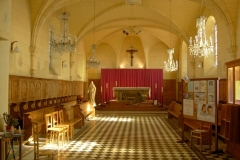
{"points": [[129, 136]]}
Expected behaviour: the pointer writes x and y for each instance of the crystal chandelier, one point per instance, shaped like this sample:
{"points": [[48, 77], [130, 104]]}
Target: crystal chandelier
{"points": [[200, 47], [92, 62], [170, 65], [64, 45]]}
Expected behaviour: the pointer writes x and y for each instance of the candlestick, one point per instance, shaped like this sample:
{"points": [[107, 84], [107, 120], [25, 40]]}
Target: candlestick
{"points": [[19, 129]]}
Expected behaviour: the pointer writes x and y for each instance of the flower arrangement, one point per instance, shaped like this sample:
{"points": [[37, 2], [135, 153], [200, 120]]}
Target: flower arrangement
{"points": [[9, 120]]}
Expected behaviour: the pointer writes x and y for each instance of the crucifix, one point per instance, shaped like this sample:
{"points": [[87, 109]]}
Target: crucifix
{"points": [[131, 50]]}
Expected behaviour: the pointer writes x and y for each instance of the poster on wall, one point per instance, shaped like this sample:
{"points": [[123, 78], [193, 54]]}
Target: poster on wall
{"points": [[196, 86], [203, 86], [206, 112], [211, 97], [211, 87], [188, 96], [190, 86], [188, 107], [200, 97]]}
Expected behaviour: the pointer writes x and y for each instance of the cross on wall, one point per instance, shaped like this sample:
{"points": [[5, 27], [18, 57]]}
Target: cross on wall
{"points": [[131, 50]]}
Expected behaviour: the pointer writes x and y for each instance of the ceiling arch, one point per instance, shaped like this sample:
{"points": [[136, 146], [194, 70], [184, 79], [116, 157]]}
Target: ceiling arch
{"points": [[113, 16]]}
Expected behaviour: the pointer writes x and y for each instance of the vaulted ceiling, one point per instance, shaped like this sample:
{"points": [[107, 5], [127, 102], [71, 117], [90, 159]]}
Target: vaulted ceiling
{"points": [[155, 18]]}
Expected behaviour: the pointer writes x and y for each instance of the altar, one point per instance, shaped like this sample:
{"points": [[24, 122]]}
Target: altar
{"points": [[137, 94]]}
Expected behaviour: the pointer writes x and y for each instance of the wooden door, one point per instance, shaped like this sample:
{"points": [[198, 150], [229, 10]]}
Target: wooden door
{"points": [[169, 91]]}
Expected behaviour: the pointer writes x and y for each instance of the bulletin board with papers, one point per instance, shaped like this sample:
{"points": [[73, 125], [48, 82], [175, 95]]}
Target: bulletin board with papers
{"points": [[200, 99]]}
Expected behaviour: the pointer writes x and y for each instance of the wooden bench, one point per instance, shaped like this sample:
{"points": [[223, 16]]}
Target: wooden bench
{"points": [[36, 116], [191, 124], [194, 125], [70, 115], [86, 110], [175, 110]]}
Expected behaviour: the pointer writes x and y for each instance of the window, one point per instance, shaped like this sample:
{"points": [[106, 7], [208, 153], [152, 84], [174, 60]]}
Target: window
{"points": [[215, 45]]}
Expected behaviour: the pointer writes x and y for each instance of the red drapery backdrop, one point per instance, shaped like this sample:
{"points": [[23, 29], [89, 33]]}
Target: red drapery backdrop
{"points": [[152, 78]]}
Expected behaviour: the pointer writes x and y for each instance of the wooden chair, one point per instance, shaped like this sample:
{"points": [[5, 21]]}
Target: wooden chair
{"points": [[203, 133], [39, 152], [71, 123], [55, 123], [53, 133]]}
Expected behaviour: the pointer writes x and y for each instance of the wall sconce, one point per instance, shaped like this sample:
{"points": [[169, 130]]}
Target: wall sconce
{"points": [[64, 64], [16, 49], [200, 64]]}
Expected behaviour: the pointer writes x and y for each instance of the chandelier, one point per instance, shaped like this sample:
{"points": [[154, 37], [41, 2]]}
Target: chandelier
{"points": [[92, 62], [65, 43], [200, 47], [170, 65]]}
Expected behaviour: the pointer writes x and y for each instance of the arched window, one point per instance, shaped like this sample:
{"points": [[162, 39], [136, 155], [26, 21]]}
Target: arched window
{"points": [[215, 45]]}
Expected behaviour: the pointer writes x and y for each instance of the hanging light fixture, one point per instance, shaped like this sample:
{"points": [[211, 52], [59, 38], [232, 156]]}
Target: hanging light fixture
{"points": [[200, 47], [64, 45], [170, 65], [92, 62]]}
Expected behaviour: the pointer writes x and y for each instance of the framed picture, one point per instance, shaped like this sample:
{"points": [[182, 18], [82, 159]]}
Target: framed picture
{"points": [[155, 102]]}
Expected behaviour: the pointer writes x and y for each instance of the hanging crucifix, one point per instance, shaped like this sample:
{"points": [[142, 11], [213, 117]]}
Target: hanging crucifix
{"points": [[131, 50]]}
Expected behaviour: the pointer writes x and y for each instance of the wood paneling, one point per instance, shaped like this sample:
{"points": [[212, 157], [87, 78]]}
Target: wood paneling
{"points": [[222, 91], [169, 91], [28, 94]]}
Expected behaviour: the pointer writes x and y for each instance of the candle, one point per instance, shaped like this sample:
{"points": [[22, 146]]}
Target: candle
{"points": [[162, 89], [116, 83], [156, 85], [106, 85], [101, 88]]}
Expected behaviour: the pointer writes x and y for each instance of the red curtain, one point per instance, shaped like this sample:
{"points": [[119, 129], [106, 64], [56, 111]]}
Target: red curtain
{"points": [[152, 78]]}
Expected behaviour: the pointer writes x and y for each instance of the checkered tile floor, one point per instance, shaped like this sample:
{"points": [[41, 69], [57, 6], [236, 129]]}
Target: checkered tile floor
{"points": [[125, 137], [130, 137]]}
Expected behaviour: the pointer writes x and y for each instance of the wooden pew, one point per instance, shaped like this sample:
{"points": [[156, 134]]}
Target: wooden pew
{"points": [[86, 109], [193, 125], [175, 110], [71, 116], [36, 116]]}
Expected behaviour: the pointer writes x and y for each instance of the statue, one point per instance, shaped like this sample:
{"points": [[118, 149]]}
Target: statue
{"points": [[92, 92]]}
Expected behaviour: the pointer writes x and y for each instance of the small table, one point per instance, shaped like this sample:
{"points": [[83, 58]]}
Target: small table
{"points": [[9, 137]]}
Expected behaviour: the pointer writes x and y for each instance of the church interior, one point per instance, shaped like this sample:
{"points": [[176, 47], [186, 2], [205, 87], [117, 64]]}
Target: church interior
{"points": [[119, 79]]}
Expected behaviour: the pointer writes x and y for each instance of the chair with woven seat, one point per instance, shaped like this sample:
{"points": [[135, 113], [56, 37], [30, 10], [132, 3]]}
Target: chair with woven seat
{"points": [[70, 123], [56, 124], [203, 133], [40, 152], [53, 133]]}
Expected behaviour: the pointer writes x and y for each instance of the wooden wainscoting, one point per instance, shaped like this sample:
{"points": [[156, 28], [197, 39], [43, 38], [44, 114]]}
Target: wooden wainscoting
{"points": [[27, 94], [169, 91]]}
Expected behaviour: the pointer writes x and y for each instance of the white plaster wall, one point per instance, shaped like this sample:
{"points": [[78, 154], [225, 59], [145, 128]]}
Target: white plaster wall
{"points": [[238, 33], [80, 61], [20, 31], [5, 14], [107, 56]]}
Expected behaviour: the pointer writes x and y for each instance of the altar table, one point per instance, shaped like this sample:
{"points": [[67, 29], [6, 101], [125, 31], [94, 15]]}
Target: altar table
{"points": [[131, 93]]}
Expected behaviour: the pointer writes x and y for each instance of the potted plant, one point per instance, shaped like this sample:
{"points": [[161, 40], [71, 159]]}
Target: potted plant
{"points": [[10, 121]]}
